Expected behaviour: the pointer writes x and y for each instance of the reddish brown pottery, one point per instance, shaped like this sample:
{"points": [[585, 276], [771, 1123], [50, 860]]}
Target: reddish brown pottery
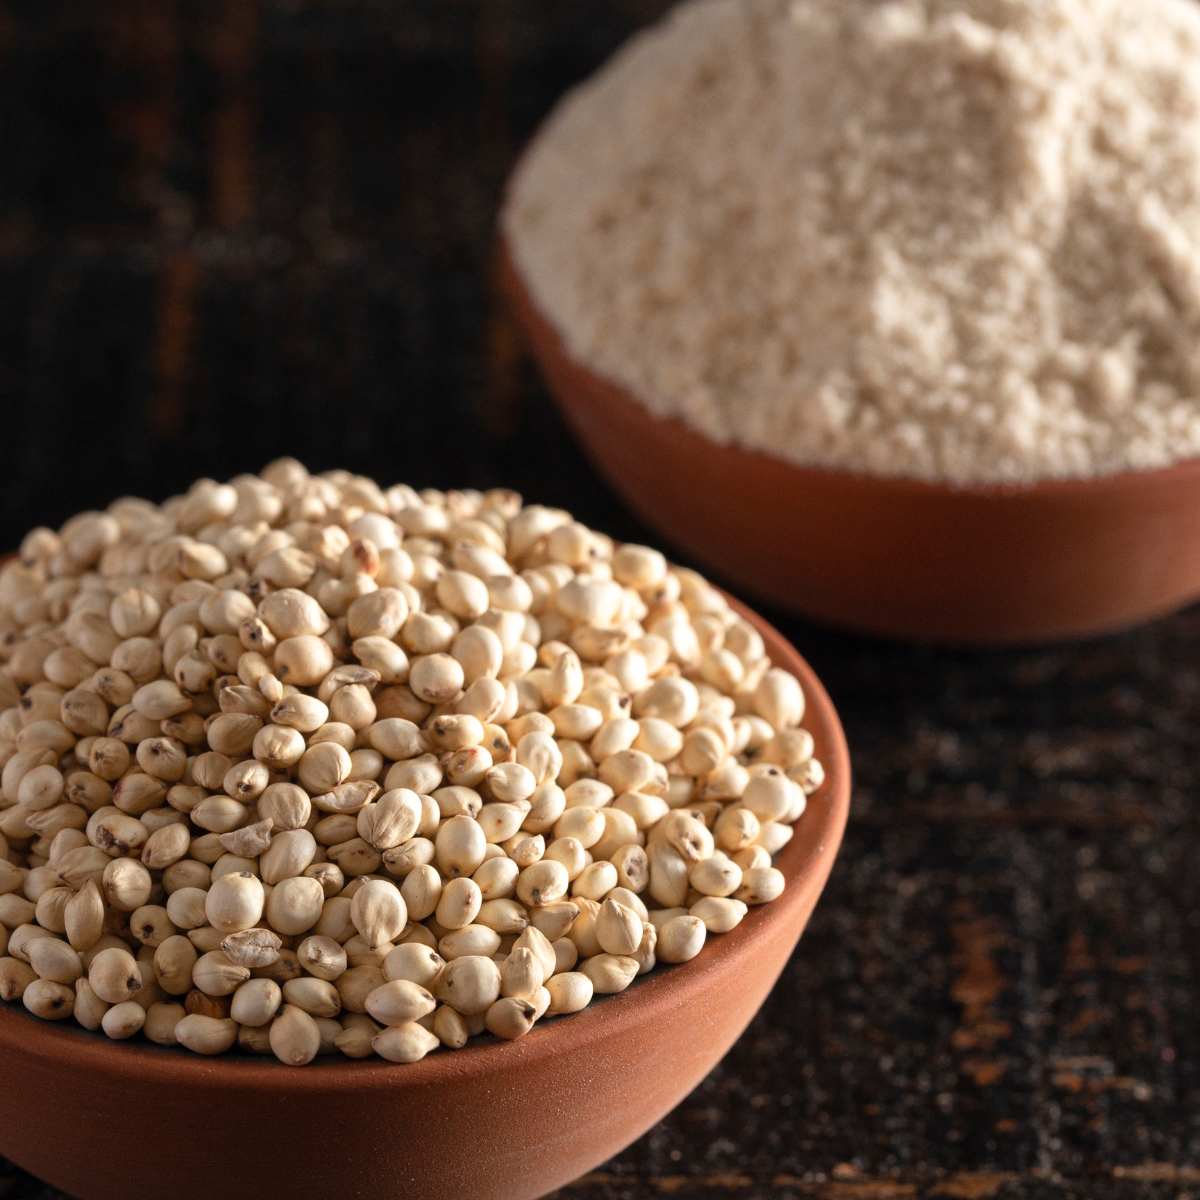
{"points": [[495, 1121], [981, 565]]}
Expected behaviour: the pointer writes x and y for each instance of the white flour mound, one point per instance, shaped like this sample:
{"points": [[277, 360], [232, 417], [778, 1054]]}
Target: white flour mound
{"points": [[946, 239]]}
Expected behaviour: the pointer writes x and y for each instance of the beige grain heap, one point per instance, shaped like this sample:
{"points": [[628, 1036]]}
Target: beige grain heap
{"points": [[947, 239], [305, 766]]}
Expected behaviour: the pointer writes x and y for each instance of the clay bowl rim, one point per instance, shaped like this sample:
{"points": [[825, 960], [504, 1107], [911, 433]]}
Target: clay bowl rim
{"points": [[805, 861], [530, 315]]}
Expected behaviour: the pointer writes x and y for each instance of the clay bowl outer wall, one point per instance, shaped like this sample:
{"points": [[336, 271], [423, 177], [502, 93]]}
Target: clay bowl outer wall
{"points": [[901, 558], [494, 1121]]}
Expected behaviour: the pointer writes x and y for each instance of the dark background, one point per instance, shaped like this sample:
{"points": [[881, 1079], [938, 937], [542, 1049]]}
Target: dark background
{"points": [[234, 230], [230, 230]]}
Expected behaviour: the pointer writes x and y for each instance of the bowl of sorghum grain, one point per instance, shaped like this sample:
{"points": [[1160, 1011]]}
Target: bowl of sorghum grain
{"points": [[356, 840], [888, 311]]}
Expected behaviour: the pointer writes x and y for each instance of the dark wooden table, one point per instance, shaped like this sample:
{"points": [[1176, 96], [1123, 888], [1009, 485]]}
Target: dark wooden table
{"points": [[230, 230]]}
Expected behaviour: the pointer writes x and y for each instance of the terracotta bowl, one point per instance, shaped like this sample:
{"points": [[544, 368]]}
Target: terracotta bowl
{"points": [[978, 565], [494, 1121]]}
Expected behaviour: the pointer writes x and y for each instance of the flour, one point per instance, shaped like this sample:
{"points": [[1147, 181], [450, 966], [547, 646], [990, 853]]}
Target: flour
{"points": [[944, 239]]}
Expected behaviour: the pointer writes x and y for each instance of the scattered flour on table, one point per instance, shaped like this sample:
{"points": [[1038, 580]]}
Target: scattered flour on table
{"points": [[946, 239]]}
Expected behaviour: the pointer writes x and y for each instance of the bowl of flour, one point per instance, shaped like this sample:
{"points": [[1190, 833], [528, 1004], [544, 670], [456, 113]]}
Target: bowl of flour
{"points": [[888, 309]]}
